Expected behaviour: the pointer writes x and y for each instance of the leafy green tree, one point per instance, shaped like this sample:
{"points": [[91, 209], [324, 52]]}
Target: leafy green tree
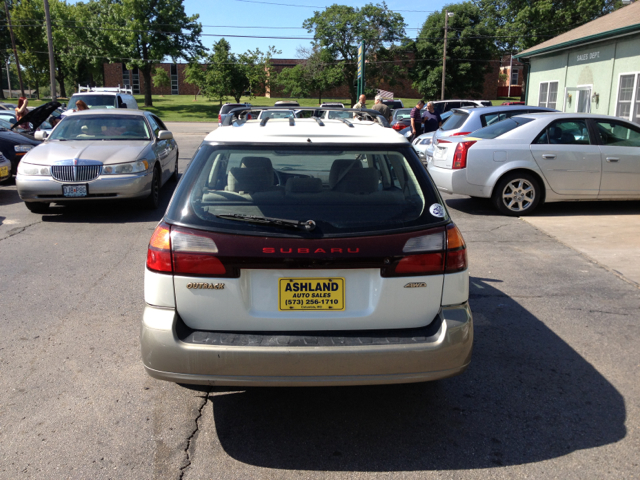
{"points": [[470, 47], [317, 74], [161, 78], [159, 29], [340, 29], [195, 74], [521, 24]]}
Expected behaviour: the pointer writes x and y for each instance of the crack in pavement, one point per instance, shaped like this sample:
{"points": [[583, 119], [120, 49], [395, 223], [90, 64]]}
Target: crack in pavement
{"points": [[187, 463], [18, 230]]}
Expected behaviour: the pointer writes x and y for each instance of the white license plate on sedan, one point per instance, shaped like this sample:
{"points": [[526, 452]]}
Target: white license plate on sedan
{"points": [[74, 190]]}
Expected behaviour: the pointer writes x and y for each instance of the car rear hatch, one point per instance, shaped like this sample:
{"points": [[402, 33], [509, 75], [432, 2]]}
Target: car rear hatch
{"points": [[236, 271]]}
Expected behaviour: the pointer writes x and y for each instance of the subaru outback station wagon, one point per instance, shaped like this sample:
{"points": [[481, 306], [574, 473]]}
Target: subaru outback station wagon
{"points": [[306, 251]]}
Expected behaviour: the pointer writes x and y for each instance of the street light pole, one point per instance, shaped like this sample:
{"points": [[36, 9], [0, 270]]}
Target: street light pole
{"points": [[444, 52], [13, 43], [52, 63]]}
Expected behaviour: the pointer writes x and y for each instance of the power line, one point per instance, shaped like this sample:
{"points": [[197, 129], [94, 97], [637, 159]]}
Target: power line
{"points": [[318, 6]]}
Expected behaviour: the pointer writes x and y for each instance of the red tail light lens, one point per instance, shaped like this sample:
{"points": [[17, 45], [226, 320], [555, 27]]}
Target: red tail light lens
{"points": [[460, 134], [456, 251], [398, 126], [447, 257], [195, 254], [219, 118], [460, 155], [159, 251]]}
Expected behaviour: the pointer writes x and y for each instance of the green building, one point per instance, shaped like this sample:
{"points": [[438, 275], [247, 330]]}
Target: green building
{"points": [[593, 68]]}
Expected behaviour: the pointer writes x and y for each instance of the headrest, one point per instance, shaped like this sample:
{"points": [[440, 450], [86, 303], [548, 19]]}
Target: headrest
{"points": [[249, 180], [338, 166], [555, 133], [303, 185], [254, 162], [359, 181]]}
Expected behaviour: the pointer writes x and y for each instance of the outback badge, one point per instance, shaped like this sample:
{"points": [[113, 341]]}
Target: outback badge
{"points": [[209, 286], [415, 285]]}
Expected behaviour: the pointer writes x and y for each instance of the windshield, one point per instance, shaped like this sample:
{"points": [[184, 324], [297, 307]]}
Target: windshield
{"points": [[402, 114], [101, 127], [343, 191], [456, 120], [94, 101], [500, 128], [276, 114]]}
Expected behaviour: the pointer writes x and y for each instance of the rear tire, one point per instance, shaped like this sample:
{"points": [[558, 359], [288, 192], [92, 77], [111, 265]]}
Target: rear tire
{"points": [[517, 194], [153, 200], [175, 175], [37, 207]]}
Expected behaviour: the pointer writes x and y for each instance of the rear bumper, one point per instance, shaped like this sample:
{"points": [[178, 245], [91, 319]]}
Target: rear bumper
{"points": [[445, 353], [455, 181]]}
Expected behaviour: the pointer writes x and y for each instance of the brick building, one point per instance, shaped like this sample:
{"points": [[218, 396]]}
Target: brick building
{"points": [[513, 74], [116, 74]]}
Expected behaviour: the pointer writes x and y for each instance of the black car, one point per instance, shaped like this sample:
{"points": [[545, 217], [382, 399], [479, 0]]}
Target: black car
{"points": [[14, 145]]}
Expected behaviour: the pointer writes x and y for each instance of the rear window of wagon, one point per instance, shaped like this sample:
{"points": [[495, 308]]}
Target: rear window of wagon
{"points": [[344, 190]]}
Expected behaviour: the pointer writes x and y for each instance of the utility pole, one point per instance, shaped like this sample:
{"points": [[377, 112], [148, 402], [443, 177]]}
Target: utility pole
{"points": [[8, 77], [52, 63], [510, 73], [13, 43], [444, 52]]}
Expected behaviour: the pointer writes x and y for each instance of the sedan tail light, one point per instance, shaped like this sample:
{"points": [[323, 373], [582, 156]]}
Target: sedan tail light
{"points": [[398, 126], [219, 118], [459, 134], [460, 155]]}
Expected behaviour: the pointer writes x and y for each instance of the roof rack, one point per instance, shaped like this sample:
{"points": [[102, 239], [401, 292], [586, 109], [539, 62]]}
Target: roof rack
{"points": [[117, 89], [236, 115]]}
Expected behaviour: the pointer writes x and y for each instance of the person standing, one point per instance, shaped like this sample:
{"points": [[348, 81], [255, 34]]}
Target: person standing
{"points": [[431, 119], [416, 120], [22, 110], [382, 108], [362, 103]]}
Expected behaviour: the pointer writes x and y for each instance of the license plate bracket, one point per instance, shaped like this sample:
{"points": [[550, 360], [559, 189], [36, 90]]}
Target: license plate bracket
{"points": [[315, 294], [75, 190]]}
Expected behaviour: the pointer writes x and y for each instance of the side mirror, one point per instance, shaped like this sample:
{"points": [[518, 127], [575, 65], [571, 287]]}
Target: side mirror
{"points": [[165, 135], [41, 135]]}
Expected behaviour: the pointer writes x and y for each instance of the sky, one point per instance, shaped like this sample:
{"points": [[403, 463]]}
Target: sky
{"points": [[219, 17]]}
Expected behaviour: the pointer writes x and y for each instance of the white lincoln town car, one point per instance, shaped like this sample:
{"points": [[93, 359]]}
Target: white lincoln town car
{"points": [[99, 155]]}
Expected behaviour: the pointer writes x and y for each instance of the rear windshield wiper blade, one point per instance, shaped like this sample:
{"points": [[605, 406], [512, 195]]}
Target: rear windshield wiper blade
{"points": [[309, 225]]}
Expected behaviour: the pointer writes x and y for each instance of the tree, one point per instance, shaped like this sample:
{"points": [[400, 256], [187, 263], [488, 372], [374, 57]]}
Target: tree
{"points": [[470, 48], [340, 29], [521, 24], [227, 74], [317, 74], [161, 78], [159, 29]]}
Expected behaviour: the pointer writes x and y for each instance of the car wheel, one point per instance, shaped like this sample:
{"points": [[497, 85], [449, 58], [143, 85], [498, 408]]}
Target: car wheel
{"points": [[175, 176], [517, 194], [153, 200], [37, 207]]}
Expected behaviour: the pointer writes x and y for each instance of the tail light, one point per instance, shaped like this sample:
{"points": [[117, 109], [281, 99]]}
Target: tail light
{"points": [[434, 254], [175, 250], [460, 155], [398, 126], [219, 118], [459, 134]]}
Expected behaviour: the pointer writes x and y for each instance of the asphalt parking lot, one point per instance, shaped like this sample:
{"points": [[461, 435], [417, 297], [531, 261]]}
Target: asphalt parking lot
{"points": [[552, 391]]}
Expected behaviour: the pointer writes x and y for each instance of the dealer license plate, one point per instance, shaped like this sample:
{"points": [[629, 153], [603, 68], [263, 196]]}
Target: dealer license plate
{"points": [[4, 172], [311, 294], [74, 190]]}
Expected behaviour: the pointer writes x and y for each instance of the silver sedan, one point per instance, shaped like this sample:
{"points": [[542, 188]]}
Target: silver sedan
{"points": [[543, 157], [97, 154]]}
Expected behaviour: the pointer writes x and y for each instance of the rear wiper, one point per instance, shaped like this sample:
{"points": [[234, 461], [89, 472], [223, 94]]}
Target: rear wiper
{"points": [[309, 225]]}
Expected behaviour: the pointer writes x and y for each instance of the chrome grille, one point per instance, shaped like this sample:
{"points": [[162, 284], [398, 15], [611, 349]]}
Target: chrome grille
{"points": [[71, 173]]}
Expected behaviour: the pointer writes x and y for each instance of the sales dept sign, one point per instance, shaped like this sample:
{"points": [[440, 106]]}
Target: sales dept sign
{"points": [[588, 56], [311, 294]]}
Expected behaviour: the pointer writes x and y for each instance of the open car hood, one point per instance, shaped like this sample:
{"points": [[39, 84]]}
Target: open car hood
{"points": [[38, 115]]}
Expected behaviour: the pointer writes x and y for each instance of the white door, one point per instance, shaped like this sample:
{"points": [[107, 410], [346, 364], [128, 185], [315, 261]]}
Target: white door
{"points": [[583, 105], [620, 147]]}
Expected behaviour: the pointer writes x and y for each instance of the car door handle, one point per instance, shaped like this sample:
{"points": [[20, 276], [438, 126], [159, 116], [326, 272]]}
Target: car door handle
{"points": [[612, 159], [548, 156]]}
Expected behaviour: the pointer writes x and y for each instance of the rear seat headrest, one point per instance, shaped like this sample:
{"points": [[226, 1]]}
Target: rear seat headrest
{"points": [[338, 166], [249, 179], [258, 162], [359, 181], [303, 185]]}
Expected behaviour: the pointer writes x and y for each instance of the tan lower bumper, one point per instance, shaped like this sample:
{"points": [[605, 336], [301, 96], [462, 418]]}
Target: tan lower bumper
{"points": [[446, 353]]}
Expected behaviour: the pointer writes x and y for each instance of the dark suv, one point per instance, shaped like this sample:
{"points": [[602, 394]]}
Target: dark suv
{"points": [[226, 108]]}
